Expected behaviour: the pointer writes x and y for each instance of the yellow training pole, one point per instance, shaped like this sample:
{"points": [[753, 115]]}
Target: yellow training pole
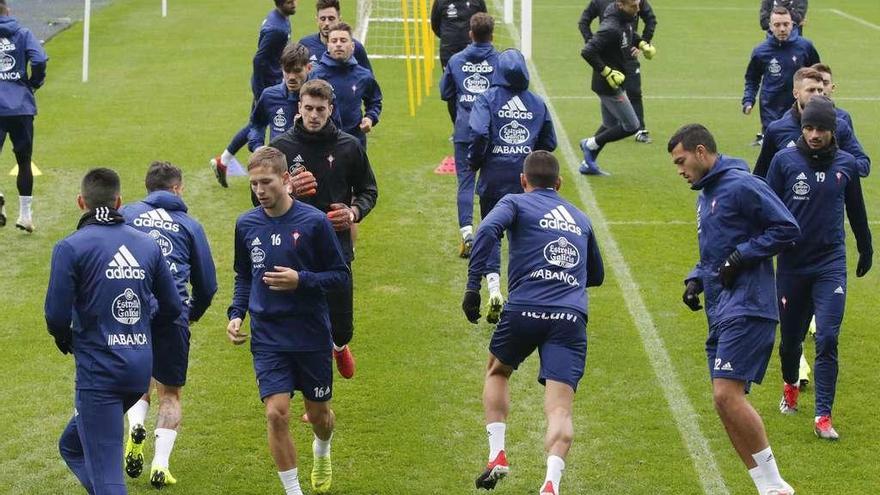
{"points": [[427, 34], [417, 45], [408, 54]]}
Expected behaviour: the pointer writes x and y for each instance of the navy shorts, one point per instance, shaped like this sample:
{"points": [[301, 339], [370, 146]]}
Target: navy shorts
{"points": [[310, 372], [740, 348], [559, 335], [171, 354]]}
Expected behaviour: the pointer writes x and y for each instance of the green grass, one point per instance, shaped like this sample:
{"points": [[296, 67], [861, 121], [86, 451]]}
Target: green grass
{"points": [[411, 420]]}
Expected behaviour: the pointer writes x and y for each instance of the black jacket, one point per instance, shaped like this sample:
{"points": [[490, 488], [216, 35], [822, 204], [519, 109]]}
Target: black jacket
{"points": [[597, 8], [610, 46], [798, 9], [340, 166], [450, 21]]}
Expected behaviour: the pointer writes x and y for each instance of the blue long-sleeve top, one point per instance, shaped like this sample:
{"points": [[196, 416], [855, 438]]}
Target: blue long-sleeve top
{"points": [[817, 193], [163, 216], [738, 211], [19, 49], [772, 67], [102, 280], [274, 35], [507, 122], [553, 253], [784, 133], [467, 75], [354, 87], [301, 239], [318, 48]]}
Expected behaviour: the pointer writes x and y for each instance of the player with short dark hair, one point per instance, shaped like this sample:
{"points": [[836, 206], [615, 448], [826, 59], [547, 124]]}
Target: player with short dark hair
{"points": [[817, 181], [772, 67], [19, 51], [797, 8], [467, 75], [331, 172], [632, 82], [358, 98], [328, 14], [741, 225], [784, 133], [163, 216], [106, 281], [553, 258], [608, 53], [287, 258], [507, 122], [274, 35]]}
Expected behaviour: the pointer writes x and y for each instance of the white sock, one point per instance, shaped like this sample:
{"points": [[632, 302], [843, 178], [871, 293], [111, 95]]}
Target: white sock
{"points": [[767, 464], [321, 448], [164, 443], [339, 349], [290, 481], [495, 432], [592, 144], [226, 157], [555, 467], [137, 415], [24, 207], [466, 231], [493, 280], [758, 479]]}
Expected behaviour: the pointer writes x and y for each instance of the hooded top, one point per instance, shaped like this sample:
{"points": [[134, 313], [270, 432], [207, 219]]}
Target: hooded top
{"points": [[507, 122], [738, 211], [163, 216], [353, 85], [468, 74], [772, 67], [274, 35], [18, 49], [784, 133]]}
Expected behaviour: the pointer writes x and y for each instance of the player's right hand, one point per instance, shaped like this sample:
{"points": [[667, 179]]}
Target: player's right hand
{"points": [[471, 305], [747, 108], [865, 262], [233, 331], [62, 343], [730, 269], [303, 183], [648, 50], [691, 296], [614, 77]]}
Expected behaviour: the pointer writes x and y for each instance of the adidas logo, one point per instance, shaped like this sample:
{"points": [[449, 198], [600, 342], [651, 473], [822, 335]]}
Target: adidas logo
{"points": [[727, 367], [124, 266], [791, 144], [158, 218], [280, 111], [802, 176], [515, 109], [560, 219], [256, 241], [838, 290], [298, 159], [480, 68]]}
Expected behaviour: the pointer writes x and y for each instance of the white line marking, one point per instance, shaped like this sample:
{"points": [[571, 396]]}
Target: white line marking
{"points": [[683, 413], [856, 19], [664, 223], [705, 97]]}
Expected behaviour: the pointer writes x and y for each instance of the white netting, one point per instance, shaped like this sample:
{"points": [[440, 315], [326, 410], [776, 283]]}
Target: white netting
{"points": [[384, 26]]}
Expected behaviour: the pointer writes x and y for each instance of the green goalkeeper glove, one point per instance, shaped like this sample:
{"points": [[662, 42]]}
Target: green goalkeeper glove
{"points": [[647, 49], [614, 77]]}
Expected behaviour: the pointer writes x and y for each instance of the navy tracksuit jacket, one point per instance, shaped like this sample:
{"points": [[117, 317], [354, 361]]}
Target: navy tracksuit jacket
{"points": [[467, 75], [274, 35], [553, 253], [102, 281], [784, 133], [353, 86], [771, 68], [812, 274], [738, 211]]}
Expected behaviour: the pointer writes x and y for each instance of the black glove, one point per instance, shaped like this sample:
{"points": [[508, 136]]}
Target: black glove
{"points": [[62, 342], [471, 305], [865, 262], [730, 269], [691, 296]]}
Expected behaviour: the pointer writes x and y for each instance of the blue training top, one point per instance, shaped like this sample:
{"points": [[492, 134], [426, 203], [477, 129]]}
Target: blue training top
{"points": [[274, 35], [468, 74], [18, 49]]}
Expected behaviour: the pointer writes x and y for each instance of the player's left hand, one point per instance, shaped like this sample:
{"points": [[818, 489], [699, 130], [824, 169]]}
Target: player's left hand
{"points": [[648, 50], [471, 305], [865, 262], [366, 125], [62, 342], [691, 296], [283, 278], [341, 216], [730, 269]]}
